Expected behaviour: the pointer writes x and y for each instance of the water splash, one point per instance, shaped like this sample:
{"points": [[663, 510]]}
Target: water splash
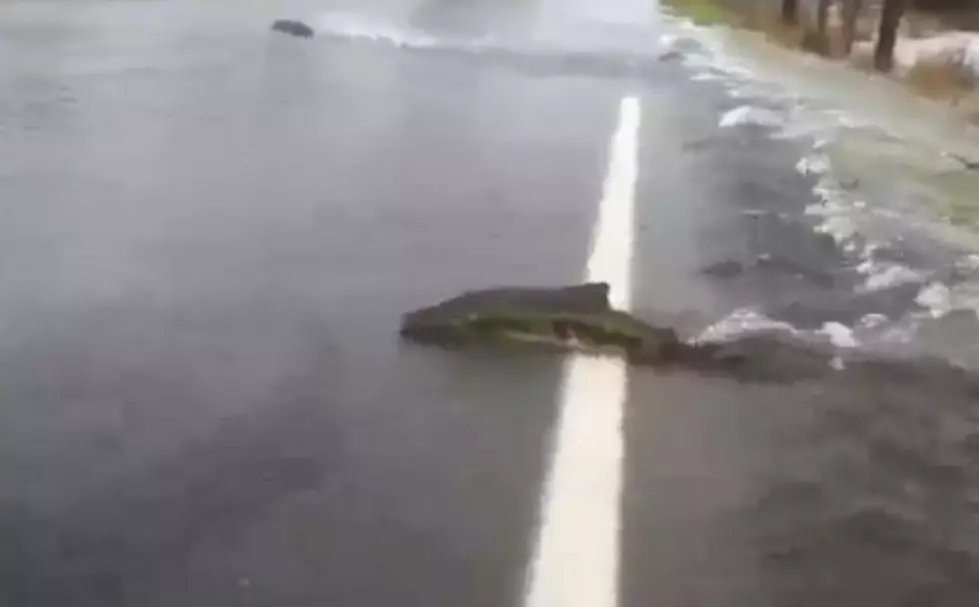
{"points": [[883, 191], [751, 115], [540, 50]]}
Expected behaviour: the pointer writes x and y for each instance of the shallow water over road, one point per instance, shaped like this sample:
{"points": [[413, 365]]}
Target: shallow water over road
{"points": [[892, 188], [209, 234]]}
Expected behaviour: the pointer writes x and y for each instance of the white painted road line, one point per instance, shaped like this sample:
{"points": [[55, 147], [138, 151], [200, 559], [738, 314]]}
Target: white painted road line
{"points": [[576, 557]]}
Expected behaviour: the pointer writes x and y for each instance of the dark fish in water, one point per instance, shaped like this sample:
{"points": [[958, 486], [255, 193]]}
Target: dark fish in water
{"points": [[575, 317], [293, 28], [580, 318]]}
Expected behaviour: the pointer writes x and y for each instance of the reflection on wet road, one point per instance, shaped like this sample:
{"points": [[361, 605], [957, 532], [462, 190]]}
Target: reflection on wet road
{"points": [[209, 233]]}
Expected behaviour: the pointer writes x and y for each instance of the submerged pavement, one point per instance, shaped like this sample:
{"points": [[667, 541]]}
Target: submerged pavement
{"points": [[210, 232]]}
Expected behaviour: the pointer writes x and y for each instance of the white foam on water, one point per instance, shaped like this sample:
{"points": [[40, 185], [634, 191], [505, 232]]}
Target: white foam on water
{"points": [[965, 296], [740, 322], [865, 218], [872, 321], [841, 217], [613, 47], [884, 275], [820, 128], [840, 227], [840, 335], [877, 332], [705, 77], [753, 115], [897, 335], [746, 321], [813, 164], [969, 262], [937, 298], [850, 221], [861, 229], [940, 299], [357, 27], [743, 92]]}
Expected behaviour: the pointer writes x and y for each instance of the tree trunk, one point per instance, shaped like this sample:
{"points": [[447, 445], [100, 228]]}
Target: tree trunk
{"points": [[851, 10], [890, 18], [822, 15], [822, 38], [790, 12]]}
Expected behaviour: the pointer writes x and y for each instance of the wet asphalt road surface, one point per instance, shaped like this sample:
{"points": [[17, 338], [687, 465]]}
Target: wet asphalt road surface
{"points": [[209, 233]]}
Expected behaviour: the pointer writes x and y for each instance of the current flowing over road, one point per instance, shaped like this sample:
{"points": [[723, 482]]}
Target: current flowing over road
{"points": [[209, 234]]}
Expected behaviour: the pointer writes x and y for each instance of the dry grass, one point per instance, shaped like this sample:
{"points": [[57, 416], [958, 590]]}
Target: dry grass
{"points": [[946, 82]]}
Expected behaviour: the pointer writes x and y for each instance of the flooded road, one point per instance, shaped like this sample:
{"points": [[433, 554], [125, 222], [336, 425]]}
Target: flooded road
{"points": [[893, 185], [209, 234]]}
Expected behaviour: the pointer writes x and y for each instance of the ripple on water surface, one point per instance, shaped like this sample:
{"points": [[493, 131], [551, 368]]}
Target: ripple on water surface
{"points": [[896, 196]]}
